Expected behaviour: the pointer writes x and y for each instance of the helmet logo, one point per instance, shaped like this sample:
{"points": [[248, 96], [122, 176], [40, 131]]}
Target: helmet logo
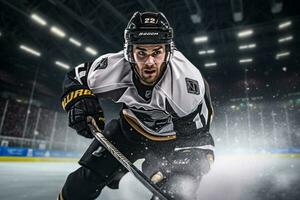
{"points": [[149, 20], [148, 33]]}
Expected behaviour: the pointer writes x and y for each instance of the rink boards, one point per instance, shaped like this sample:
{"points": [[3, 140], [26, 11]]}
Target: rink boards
{"points": [[35, 159], [15, 154], [36, 155]]}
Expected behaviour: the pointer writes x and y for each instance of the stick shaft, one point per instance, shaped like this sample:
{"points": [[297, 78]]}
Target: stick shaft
{"points": [[124, 161]]}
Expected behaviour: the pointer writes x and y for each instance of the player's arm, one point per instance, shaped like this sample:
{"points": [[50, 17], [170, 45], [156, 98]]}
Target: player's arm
{"points": [[79, 101], [193, 129], [195, 145], [193, 154]]}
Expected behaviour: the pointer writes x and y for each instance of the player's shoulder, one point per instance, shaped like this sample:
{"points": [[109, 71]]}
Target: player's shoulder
{"points": [[183, 85], [181, 65], [106, 60], [111, 70]]}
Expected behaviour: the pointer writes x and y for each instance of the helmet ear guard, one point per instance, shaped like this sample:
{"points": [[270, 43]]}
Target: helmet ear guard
{"points": [[148, 28]]}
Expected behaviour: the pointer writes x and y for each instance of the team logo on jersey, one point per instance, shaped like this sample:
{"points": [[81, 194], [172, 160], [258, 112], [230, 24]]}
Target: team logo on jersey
{"points": [[192, 86], [148, 94], [102, 64]]}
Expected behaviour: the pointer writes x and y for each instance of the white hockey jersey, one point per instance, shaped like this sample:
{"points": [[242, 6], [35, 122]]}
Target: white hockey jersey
{"points": [[179, 92]]}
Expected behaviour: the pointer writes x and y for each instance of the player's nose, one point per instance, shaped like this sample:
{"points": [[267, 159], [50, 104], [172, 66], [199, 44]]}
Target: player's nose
{"points": [[150, 61]]}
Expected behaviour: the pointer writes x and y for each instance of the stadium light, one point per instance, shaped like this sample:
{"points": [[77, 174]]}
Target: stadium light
{"points": [[237, 10], [247, 46], [63, 65], [282, 54], [200, 39], [210, 51], [91, 51], [203, 52], [38, 19], [30, 50], [285, 24], [285, 39], [276, 6], [55, 30], [245, 33], [75, 42], [212, 64], [247, 60]]}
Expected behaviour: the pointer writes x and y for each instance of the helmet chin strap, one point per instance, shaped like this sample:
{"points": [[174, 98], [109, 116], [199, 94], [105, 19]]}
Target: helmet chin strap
{"points": [[136, 73]]}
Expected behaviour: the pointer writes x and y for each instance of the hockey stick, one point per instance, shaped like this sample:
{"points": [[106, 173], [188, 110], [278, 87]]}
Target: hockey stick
{"points": [[124, 161]]}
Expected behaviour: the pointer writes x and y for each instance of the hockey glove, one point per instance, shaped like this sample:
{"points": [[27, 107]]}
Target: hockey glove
{"points": [[79, 112], [80, 103], [195, 162]]}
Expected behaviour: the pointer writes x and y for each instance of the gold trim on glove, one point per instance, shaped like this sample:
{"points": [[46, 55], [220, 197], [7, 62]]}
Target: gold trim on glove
{"points": [[71, 96]]}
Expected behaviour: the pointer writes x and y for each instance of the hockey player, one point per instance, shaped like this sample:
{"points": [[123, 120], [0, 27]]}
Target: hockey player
{"points": [[165, 117]]}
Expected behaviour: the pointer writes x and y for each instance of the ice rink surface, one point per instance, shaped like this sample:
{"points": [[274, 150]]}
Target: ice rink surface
{"points": [[232, 178]]}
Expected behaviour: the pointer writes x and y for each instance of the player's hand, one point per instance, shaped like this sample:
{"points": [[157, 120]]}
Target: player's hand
{"points": [[195, 162], [157, 177], [79, 112]]}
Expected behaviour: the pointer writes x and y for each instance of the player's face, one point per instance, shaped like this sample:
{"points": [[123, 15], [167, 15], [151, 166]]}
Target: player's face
{"points": [[149, 60]]}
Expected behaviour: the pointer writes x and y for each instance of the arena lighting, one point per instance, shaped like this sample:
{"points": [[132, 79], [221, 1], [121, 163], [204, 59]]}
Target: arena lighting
{"points": [[203, 52], [63, 65], [246, 60], [75, 42], [57, 31], [212, 64], [91, 51], [237, 10], [200, 39], [30, 50], [247, 46], [285, 39], [276, 6], [284, 24], [38, 19], [196, 18], [210, 51], [282, 54], [245, 33]]}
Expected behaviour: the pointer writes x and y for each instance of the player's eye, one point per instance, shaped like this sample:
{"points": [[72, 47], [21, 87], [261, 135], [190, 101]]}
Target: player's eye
{"points": [[141, 53], [156, 53]]}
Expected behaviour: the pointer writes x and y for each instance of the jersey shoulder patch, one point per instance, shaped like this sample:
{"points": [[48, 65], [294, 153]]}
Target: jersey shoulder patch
{"points": [[192, 86], [102, 64]]}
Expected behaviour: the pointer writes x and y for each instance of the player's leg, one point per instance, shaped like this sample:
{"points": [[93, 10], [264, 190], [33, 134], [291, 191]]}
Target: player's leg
{"points": [[82, 184], [99, 167]]}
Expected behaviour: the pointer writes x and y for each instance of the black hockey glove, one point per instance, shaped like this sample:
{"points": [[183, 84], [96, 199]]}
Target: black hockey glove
{"points": [[79, 112], [194, 161], [183, 166], [80, 102]]}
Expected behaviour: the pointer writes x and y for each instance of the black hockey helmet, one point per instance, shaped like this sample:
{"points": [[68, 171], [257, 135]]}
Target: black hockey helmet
{"points": [[148, 28]]}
